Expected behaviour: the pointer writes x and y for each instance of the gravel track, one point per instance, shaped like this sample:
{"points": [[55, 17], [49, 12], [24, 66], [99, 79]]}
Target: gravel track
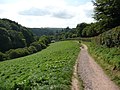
{"points": [[92, 74]]}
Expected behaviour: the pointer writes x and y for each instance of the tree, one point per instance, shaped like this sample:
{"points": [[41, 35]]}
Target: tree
{"points": [[107, 12], [13, 35], [28, 36], [79, 28], [5, 41]]}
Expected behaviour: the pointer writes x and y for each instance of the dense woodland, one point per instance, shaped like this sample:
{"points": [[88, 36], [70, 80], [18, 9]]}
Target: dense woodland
{"points": [[45, 31], [17, 41], [13, 35]]}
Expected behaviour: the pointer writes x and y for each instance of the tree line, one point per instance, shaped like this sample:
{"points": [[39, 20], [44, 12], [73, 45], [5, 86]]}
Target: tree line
{"points": [[45, 31], [106, 27], [13, 35], [17, 41]]}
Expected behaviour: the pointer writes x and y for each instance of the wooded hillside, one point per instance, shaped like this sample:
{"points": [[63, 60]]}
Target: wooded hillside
{"points": [[45, 31], [13, 35]]}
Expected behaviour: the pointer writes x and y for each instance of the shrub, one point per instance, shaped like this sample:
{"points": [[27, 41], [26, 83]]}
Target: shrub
{"points": [[37, 45], [32, 49], [15, 53], [2, 56], [20, 52], [45, 40], [110, 38], [43, 45]]}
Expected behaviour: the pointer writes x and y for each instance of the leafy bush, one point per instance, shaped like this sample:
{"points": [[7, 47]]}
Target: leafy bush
{"points": [[32, 49], [45, 40], [110, 38], [2, 56], [37, 45], [15, 53]]}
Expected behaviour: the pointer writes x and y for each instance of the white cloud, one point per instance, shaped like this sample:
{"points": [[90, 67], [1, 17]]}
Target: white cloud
{"points": [[54, 12], [35, 12], [47, 13]]}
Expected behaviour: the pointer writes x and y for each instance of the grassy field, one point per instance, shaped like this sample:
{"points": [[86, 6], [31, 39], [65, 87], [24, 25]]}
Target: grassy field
{"points": [[108, 58], [49, 69]]}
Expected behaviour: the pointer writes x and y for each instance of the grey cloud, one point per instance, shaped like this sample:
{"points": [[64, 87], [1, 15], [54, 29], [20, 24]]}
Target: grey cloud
{"points": [[35, 12], [51, 11], [62, 14]]}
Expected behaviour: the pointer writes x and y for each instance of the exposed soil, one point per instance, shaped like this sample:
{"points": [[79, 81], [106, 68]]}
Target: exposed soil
{"points": [[92, 74], [75, 81]]}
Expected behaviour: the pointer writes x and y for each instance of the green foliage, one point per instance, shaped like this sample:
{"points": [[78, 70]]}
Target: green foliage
{"points": [[74, 35], [108, 58], [50, 69], [79, 29], [15, 53], [20, 52], [17, 39], [5, 41], [13, 35], [90, 30], [32, 49], [110, 38], [107, 12], [37, 45], [44, 39], [28, 36], [66, 34], [42, 43], [2, 56], [45, 31], [82, 30]]}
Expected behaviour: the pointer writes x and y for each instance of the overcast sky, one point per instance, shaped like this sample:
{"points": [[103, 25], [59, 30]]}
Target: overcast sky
{"points": [[47, 13]]}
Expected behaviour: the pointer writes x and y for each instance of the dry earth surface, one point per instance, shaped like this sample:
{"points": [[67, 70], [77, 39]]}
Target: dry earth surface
{"points": [[75, 81], [91, 73]]}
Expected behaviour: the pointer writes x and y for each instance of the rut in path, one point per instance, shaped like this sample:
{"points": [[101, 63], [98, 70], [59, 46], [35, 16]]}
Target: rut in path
{"points": [[92, 74]]}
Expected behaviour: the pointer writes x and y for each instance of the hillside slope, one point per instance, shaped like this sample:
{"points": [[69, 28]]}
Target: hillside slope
{"points": [[13, 35], [45, 31], [50, 69]]}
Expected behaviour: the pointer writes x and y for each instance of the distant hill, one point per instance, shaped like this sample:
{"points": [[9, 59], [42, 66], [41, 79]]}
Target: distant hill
{"points": [[14, 35], [45, 31]]}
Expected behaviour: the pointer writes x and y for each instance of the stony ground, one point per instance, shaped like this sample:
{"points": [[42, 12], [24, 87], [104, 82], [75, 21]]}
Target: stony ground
{"points": [[92, 74]]}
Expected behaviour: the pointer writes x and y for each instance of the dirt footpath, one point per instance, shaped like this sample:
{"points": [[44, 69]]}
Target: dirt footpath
{"points": [[92, 74], [75, 81]]}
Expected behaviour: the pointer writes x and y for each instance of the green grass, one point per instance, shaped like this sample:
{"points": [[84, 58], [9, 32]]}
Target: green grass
{"points": [[108, 58], [49, 69]]}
